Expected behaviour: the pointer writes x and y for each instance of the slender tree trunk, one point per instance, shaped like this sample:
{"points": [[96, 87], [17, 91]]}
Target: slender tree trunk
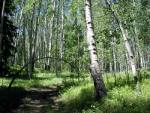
{"points": [[136, 42], [56, 41], [20, 15], [36, 35], [78, 56], [31, 42], [24, 38], [125, 36], [114, 58], [129, 50], [100, 90], [110, 67], [1, 29], [24, 41], [62, 34], [57, 69], [114, 54]]}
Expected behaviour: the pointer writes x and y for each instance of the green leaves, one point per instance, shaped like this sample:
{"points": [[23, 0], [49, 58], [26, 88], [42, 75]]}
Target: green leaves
{"points": [[29, 5]]}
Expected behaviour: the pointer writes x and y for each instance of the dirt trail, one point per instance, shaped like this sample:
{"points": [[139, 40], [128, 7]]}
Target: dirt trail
{"points": [[39, 100]]}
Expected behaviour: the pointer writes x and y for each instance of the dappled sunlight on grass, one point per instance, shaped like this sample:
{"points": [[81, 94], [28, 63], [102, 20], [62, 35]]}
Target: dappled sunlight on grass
{"points": [[4, 82], [123, 100], [37, 83], [77, 96], [38, 80]]}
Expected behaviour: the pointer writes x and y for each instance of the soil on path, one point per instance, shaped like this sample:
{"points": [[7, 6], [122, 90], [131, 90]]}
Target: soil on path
{"points": [[36, 100], [40, 100]]}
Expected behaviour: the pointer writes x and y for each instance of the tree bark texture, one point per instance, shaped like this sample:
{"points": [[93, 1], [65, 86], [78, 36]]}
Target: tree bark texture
{"points": [[96, 74]]}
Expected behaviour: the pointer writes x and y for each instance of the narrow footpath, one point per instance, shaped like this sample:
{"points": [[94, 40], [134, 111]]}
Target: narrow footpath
{"points": [[39, 100]]}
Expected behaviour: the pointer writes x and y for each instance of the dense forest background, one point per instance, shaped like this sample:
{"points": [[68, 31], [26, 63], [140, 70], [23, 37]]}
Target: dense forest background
{"points": [[94, 56]]}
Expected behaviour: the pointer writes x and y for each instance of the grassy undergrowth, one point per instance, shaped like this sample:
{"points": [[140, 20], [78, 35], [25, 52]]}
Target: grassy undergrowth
{"points": [[78, 96], [123, 100], [38, 80]]}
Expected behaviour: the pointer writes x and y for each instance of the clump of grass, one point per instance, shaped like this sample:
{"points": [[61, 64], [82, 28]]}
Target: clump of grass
{"points": [[4, 82], [69, 82], [77, 97], [145, 73], [117, 79], [123, 100]]}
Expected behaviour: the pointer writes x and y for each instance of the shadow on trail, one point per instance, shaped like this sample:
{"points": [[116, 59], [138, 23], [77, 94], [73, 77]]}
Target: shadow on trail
{"points": [[32, 100], [10, 99]]}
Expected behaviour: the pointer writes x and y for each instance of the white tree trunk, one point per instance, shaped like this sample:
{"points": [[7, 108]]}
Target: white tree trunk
{"points": [[62, 40], [95, 69], [114, 53], [129, 50], [125, 36]]}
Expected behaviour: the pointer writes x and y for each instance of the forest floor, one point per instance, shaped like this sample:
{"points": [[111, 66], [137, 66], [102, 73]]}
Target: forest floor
{"points": [[38, 95], [32, 100], [38, 100], [45, 93]]}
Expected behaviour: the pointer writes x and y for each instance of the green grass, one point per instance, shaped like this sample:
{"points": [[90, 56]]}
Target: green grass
{"points": [[38, 80], [78, 96], [123, 100], [75, 97]]}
